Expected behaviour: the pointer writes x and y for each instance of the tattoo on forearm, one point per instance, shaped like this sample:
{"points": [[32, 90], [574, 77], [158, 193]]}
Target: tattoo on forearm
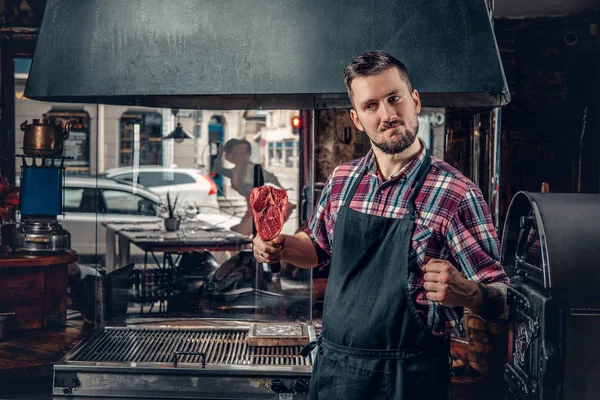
{"points": [[494, 301]]}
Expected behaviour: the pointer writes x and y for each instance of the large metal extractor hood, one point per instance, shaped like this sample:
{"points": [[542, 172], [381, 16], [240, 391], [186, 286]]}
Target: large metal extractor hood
{"points": [[248, 54]]}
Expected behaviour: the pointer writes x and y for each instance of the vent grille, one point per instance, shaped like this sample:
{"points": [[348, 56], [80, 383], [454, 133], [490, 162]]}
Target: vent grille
{"points": [[157, 345]]}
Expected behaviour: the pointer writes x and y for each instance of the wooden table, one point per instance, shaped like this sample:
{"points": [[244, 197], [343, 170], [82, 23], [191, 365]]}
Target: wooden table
{"points": [[205, 237], [152, 239], [170, 246], [34, 287]]}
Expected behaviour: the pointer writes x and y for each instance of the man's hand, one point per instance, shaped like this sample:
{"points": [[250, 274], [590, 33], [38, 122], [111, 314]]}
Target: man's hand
{"points": [[270, 251], [445, 285]]}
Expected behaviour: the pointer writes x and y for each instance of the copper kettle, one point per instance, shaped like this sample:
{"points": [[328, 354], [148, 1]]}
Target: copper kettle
{"points": [[44, 139]]}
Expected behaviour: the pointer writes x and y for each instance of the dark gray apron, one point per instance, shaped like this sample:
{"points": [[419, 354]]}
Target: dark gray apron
{"points": [[373, 344]]}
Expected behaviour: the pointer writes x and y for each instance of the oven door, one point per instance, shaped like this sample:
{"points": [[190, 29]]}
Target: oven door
{"points": [[532, 369]]}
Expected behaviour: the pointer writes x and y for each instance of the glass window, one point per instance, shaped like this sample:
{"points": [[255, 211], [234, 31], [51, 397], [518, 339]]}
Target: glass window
{"points": [[121, 202], [77, 145], [73, 197], [289, 153], [154, 179], [271, 156], [83, 200], [128, 177], [282, 118], [140, 139], [183, 179]]}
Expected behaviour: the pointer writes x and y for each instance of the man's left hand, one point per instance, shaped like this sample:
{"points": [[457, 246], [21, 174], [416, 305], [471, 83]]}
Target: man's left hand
{"points": [[445, 285]]}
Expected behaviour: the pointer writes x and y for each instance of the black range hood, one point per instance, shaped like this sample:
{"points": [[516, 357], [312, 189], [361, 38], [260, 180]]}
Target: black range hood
{"points": [[250, 54]]}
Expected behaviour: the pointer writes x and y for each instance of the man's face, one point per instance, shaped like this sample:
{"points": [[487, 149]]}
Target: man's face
{"points": [[238, 155], [386, 110]]}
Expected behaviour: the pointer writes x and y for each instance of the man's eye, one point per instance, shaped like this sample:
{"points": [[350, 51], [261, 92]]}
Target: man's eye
{"points": [[369, 107], [394, 99]]}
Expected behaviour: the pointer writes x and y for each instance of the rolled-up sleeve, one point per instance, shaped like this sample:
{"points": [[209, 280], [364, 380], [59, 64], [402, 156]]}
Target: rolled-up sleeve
{"points": [[473, 242], [320, 224]]}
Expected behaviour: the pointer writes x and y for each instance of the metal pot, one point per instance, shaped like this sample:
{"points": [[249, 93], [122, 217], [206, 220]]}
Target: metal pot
{"points": [[44, 139], [171, 224]]}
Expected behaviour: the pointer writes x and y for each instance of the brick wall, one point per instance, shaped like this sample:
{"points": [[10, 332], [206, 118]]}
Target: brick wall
{"points": [[488, 346], [551, 80]]}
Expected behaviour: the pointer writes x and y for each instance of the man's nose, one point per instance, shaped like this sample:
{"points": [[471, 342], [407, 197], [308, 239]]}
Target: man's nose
{"points": [[388, 113]]}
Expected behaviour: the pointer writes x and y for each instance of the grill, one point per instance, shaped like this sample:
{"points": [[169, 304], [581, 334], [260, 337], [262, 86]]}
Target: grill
{"points": [[170, 362], [550, 248], [162, 345]]}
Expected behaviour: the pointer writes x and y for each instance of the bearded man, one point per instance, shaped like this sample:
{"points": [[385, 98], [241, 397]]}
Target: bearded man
{"points": [[410, 242]]}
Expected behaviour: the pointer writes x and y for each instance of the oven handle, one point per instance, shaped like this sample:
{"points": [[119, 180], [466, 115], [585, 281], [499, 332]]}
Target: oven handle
{"points": [[521, 262], [189, 353]]}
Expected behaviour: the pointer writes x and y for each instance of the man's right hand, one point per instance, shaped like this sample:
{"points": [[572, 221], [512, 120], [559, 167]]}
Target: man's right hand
{"points": [[270, 251]]}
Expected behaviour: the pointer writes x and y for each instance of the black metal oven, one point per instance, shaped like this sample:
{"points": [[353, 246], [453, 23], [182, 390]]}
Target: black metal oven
{"points": [[551, 251]]}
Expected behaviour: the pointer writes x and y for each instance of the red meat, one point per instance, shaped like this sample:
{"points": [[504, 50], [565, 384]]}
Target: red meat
{"points": [[269, 206]]}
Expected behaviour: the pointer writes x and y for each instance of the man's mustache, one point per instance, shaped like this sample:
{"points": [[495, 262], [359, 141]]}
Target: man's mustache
{"points": [[392, 124]]}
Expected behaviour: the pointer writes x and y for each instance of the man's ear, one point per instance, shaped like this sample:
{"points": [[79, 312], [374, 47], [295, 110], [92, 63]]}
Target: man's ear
{"points": [[355, 120], [417, 100]]}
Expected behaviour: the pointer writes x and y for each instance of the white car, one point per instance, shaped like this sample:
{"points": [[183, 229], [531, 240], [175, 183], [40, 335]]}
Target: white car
{"points": [[192, 186], [88, 202]]}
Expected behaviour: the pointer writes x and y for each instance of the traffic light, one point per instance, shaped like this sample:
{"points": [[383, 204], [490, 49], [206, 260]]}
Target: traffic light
{"points": [[296, 125]]}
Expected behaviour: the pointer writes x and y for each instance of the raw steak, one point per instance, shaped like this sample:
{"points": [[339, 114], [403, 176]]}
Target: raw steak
{"points": [[269, 206]]}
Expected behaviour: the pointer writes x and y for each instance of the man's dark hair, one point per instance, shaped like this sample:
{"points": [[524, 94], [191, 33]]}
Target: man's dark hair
{"points": [[372, 63], [230, 145]]}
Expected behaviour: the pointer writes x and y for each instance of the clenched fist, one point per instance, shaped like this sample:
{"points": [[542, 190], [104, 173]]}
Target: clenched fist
{"points": [[270, 251], [445, 285]]}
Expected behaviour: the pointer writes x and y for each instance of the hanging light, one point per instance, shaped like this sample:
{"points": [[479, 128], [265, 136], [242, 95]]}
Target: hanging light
{"points": [[178, 134]]}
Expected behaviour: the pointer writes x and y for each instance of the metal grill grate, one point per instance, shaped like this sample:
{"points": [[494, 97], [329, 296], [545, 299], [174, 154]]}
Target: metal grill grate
{"points": [[157, 345]]}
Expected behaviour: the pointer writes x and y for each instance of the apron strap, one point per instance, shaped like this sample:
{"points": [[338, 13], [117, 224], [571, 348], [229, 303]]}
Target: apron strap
{"points": [[361, 175], [420, 179]]}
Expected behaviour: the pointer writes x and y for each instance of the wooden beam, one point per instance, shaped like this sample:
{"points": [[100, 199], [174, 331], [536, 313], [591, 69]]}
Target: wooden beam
{"points": [[14, 43], [7, 120]]}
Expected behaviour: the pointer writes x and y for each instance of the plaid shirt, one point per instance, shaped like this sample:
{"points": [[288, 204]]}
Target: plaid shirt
{"points": [[453, 224]]}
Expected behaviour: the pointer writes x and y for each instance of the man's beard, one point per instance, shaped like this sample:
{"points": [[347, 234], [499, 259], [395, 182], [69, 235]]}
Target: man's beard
{"points": [[401, 143]]}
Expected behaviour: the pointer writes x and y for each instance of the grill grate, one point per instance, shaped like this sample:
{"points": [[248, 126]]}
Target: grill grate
{"points": [[157, 345]]}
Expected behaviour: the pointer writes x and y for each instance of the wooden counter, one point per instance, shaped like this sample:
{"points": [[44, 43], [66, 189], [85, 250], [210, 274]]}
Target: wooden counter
{"points": [[34, 287], [11, 259], [33, 353]]}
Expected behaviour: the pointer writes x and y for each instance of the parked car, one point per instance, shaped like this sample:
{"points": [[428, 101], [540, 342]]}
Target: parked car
{"points": [[193, 186], [90, 201]]}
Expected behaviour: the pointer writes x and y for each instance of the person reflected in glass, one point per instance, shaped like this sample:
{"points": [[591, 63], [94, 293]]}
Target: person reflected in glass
{"points": [[239, 152]]}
